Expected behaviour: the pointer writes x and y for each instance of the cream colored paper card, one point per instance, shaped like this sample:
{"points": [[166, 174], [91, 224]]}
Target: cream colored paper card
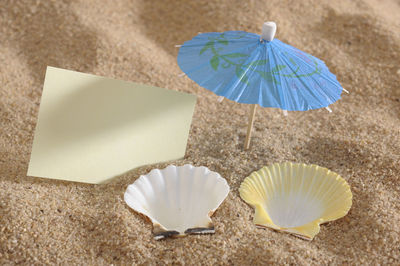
{"points": [[92, 128]]}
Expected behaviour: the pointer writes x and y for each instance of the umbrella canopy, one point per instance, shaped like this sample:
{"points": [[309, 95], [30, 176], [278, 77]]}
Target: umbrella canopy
{"points": [[253, 69], [246, 68]]}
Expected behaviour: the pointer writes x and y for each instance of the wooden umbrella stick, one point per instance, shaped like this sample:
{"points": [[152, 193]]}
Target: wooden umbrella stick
{"points": [[250, 126]]}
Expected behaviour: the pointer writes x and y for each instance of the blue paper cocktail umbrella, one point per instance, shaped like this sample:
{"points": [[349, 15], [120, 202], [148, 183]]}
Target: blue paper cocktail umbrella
{"points": [[253, 69]]}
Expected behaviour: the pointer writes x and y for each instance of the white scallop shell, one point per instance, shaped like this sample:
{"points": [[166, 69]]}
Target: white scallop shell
{"points": [[179, 200]]}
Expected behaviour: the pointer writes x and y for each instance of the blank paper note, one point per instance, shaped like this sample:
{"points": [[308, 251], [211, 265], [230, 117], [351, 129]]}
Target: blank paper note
{"points": [[92, 128]]}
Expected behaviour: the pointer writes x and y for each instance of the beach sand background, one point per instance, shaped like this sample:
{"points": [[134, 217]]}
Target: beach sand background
{"points": [[55, 222]]}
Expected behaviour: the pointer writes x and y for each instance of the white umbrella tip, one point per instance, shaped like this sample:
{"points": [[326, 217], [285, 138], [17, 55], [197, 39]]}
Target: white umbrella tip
{"points": [[268, 31]]}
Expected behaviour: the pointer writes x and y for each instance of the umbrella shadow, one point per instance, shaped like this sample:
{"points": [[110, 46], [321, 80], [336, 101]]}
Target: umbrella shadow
{"points": [[339, 154], [169, 23], [50, 34], [344, 155]]}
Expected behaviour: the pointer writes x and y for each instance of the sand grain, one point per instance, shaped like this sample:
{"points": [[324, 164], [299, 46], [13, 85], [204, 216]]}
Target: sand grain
{"points": [[48, 222]]}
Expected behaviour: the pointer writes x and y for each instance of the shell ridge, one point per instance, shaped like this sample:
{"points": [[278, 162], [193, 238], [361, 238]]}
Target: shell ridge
{"points": [[146, 185], [190, 195], [133, 203], [261, 188], [320, 188], [279, 178], [138, 201], [220, 184], [187, 210], [184, 206], [299, 176], [162, 199], [178, 185], [154, 179], [253, 187], [336, 195], [160, 206], [289, 192], [328, 194], [168, 196], [313, 169], [223, 186], [270, 184], [310, 187], [274, 185], [336, 200], [259, 185], [289, 180], [196, 182], [265, 188]]}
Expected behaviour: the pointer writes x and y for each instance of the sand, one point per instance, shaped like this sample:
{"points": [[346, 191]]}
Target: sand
{"points": [[54, 222]]}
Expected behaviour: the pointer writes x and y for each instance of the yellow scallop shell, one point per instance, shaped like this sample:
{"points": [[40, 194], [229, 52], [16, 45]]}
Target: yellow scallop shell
{"points": [[296, 198]]}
